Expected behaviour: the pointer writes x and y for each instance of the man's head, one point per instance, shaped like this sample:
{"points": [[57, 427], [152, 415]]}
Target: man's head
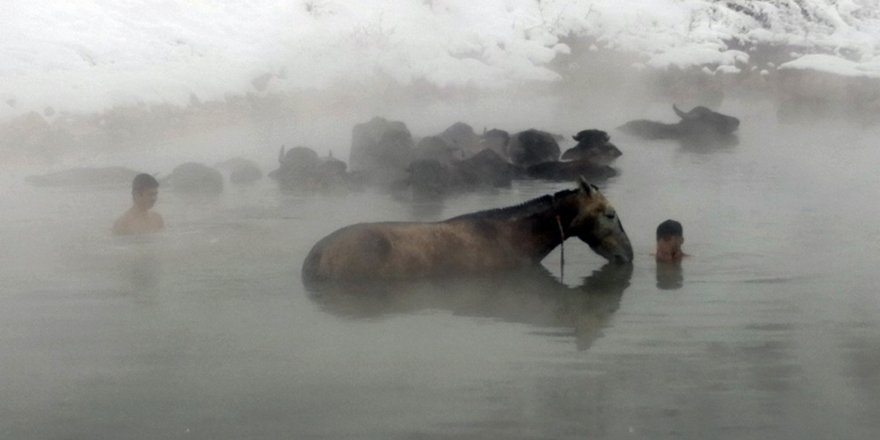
{"points": [[144, 191], [670, 237]]}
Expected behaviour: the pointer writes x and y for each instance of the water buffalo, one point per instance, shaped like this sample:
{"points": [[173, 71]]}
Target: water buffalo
{"points": [[195, 178], [301, 169], [435, 148], [380, 151], [433, 179], [462, 138], [458, 142], [589, 158], [594, 146], [429, 179], [700, 125], [295, 164], [445, 164], [241, 170], [332, 166], [532, 147], [485, 169], [496, 140]]}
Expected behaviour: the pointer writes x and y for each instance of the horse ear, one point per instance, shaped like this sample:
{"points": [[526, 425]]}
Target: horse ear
{"points": [[584, 186]]}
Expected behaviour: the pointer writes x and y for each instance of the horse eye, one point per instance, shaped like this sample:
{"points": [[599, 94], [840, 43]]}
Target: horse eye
{"points": [[610, 215]]}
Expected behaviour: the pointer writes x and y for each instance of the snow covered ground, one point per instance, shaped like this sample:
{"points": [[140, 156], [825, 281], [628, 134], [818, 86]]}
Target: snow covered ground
{"points": [[87, 56]]}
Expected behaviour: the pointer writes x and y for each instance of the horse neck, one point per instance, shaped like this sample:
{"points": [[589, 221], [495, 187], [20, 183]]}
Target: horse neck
{"points": [[535, 227], [548, 228]]}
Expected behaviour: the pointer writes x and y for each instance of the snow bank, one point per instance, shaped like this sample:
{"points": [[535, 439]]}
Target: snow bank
{"points": [[90, 55], [835, 65]]}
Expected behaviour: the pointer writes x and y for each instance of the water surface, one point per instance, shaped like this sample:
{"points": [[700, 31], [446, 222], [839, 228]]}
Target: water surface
{"points": [[770, 329]]}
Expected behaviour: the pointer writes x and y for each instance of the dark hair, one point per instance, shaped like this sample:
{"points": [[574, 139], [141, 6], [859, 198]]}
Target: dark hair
{"points": [[669, 228], [143, 181]]}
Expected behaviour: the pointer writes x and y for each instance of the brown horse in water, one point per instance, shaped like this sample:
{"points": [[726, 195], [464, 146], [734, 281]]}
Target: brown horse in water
{"points": [[484, 241]]}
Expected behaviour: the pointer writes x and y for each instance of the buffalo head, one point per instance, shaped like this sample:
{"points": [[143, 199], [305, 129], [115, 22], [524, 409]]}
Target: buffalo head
{"points": [[593, 145]]}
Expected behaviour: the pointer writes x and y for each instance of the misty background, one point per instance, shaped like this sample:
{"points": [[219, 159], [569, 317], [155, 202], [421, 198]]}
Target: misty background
{"points": [[83, 81]]}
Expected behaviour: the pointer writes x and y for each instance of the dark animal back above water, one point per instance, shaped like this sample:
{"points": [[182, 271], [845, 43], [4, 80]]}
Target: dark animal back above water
{"points": [[429, 179], [241, 170], [496, 140], [699, 122], [380, 151], [435, 148], [462, 138], [485, 169], [434, 179], [485, 241], [301, 169], [531, 147], [195, 178]]}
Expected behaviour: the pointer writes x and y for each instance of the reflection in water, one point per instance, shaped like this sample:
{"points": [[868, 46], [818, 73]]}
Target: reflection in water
{"points": [[141, 269], [599, 298], [669, 275], [778, 340], [707, 142], [531, 296]]}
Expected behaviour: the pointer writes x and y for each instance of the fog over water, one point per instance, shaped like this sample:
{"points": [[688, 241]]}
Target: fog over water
{"points": [[205, 330]]}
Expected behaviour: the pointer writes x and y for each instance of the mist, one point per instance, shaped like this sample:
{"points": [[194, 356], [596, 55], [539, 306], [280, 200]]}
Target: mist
{"points": [[206, 329], [90, 80]]}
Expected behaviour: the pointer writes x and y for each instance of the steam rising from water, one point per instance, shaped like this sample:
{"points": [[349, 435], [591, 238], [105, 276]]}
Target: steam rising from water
{"points": [[132, 83]]}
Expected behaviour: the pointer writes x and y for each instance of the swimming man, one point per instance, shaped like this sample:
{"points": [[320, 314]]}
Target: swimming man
{"points": [[139, 219]]}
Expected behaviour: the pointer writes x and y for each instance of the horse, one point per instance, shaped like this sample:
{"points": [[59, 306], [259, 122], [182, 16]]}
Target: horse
{"points": [[479, 242]]}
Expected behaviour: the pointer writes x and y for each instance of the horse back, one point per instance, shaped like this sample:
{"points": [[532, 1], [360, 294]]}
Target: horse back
{"points": [[352, 250], [407, 250]]}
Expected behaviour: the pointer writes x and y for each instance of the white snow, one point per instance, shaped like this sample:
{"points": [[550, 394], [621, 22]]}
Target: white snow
{"points": [[835, 65], [90, 55]]}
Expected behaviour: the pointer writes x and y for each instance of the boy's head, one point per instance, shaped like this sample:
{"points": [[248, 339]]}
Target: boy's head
{"points": [[670, 237], [669, 228], [144, 190]]}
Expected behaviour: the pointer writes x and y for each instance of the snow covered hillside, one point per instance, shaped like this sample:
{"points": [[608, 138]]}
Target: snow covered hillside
{"points": [[91, 55]]}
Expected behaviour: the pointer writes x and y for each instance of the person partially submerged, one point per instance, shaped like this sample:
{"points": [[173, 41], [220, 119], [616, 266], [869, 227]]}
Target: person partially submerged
{"points": [[139, 219], [670, 237]]}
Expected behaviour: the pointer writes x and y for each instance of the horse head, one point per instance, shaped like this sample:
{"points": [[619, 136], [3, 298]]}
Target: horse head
{"points": [[597, 224]]}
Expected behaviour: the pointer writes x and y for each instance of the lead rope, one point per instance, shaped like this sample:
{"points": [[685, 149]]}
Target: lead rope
{"points": [[561, 249], [561, 241]]}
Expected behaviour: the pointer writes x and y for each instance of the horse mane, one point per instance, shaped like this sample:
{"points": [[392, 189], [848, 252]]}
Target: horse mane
{"points": [[523, 210]]}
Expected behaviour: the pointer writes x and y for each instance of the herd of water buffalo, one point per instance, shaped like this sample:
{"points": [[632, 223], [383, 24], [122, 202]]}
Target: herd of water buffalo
{"points": [[385, 155]]}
